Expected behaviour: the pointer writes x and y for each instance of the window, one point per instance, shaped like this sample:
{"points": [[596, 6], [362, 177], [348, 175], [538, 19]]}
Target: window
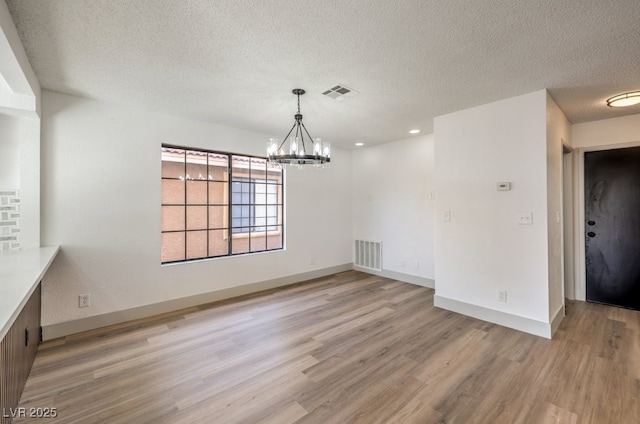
{"points": [[254, 205], [219, 204]]}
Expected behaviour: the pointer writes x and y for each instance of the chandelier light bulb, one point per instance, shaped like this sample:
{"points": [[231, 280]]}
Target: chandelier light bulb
{"points": [[317, 146], [272, 148]]}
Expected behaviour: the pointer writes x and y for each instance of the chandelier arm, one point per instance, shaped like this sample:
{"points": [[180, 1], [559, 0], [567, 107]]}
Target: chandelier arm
{"points": [[309, 135], [287, 136], [298, 134], [299, 131]]}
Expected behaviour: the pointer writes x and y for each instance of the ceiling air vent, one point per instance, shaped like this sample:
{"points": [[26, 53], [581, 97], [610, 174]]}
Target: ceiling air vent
{"points": [[340, 91]]}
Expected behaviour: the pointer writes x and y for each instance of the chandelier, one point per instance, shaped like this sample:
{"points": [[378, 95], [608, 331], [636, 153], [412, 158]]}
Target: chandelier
{"points": [[296, 152]]}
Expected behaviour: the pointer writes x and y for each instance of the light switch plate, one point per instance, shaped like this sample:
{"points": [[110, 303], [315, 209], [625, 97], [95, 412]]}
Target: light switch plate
{"points": [[503, 186]]}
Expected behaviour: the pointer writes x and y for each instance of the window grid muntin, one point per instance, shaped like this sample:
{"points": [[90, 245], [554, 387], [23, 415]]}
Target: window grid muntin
{"points": [[245, 219], [274, 228]]}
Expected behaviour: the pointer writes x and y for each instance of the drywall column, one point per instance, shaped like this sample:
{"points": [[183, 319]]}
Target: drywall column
{"points": [[485, 245]]}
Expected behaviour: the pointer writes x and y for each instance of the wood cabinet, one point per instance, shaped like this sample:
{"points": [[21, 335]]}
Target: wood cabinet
{"points": [[17, 353]]}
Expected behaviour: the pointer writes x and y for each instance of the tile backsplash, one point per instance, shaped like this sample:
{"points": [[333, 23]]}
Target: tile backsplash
{"points": [[9, 219]]}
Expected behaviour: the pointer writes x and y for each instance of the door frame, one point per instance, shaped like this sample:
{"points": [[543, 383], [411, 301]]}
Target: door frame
{"points": [[579, 226], [568, 219]]}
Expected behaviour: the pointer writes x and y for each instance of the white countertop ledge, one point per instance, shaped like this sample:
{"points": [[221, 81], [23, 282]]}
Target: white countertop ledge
{"points": [[20, 273]]}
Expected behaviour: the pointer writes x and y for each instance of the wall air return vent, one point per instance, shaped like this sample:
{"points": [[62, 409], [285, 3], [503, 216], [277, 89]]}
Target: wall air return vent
{"points": [[340, 91], [368, 254]]}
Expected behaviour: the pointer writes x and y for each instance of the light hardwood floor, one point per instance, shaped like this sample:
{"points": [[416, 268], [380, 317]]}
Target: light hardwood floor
{"points": [[343, 349]]}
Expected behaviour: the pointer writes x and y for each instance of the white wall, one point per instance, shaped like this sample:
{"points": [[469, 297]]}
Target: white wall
{"points": [[607, 132], [9, 152], [20, 169], [558, 132], [29, 136], [589, 136], [482, 249], [19, 87], [101, 203], [391, 187], [20, 123]]}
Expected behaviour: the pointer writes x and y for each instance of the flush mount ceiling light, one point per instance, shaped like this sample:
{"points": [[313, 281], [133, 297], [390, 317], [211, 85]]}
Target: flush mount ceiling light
{"points": [[296, 152], [414, 131], [626, 99]]}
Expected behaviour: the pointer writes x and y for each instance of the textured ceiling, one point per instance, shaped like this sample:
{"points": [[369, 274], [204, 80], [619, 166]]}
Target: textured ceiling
{"points": [[235, 62]]}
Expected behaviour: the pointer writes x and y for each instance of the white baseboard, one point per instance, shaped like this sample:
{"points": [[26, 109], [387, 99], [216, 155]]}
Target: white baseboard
{"points": [[527, 325], [557, 319], [406, 278], [63, 329]]}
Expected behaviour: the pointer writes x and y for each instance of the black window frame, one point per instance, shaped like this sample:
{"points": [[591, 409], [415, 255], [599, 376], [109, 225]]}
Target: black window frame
{"points": [[249, 232], [248, 215]]}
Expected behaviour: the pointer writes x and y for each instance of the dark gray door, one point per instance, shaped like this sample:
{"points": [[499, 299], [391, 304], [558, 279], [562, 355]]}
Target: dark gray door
{"points": [[612, 227]]}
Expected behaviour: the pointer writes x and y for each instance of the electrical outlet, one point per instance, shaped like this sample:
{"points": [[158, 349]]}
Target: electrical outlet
{"points": [[84, 300], [525, 218], [416, 265], [403, 263], [502, 295]]}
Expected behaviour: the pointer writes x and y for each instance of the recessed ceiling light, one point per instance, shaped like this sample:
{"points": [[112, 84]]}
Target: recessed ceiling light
{"points": [[359, 143], [626, 99], [414, 131]]}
